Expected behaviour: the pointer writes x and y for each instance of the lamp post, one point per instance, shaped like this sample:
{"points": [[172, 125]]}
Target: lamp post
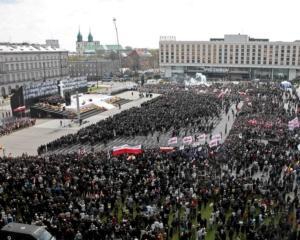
{"points": [[120, 64]]}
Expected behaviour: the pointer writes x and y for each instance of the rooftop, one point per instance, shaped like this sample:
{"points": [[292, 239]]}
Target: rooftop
{"points": [[229, 38], [27, 47]]}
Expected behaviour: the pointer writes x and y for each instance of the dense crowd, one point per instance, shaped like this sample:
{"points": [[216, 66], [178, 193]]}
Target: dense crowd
{"points": [[14, 124], [246, 188], [170, 112]]}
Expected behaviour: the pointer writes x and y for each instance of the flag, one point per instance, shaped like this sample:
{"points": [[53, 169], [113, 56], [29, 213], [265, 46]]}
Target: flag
{"points": [[172, 140], [217, 137], [187, 140], [221, 94], [252, 122], [296, 122], [268, 124], [166, 149], [201, 138], [213, 143], [20, 109], [293, 123], [116, 151]]}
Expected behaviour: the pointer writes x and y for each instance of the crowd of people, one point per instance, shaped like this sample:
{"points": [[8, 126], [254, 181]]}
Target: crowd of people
{"points": [[14, 124], [169, 112], [246, 188]]}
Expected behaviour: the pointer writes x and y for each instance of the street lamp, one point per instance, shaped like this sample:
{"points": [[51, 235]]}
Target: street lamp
{"points": [[120, 64]]}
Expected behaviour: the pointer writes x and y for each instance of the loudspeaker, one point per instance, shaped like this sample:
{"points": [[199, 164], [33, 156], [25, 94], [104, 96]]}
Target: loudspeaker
{"points": [[68, 98]]}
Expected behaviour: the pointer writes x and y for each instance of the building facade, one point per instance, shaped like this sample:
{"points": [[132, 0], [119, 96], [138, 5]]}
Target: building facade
{"points": [[28, 63], [92, 68], [237, 56], [86, 47], [139, 59], [92, 48]]}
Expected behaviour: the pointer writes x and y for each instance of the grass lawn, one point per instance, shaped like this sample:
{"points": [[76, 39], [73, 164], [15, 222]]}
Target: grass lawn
{"points": [[95, 89]]}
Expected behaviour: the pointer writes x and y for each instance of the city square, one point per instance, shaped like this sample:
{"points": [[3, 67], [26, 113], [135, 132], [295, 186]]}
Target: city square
{"points": [[116, 129]]}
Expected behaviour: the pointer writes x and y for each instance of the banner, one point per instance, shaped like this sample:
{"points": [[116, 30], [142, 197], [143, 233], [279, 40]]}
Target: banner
{"points": [[127, 149], [187, 140], [172, 140], [201, 138], [217, 137], [213, 143], [293, 124], [20, 109], [166, 149], [252, 122]]}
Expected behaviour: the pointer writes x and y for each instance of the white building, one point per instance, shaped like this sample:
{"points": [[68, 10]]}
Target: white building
{"points": [[27, 63], [234, 56]]}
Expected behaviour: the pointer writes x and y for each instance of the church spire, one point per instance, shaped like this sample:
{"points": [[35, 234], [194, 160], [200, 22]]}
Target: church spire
{"points": [[90, 37], [79, 36]]}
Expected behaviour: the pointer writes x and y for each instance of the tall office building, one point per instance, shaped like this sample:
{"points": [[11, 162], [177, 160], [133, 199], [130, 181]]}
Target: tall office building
{"points": [[237, 56]]}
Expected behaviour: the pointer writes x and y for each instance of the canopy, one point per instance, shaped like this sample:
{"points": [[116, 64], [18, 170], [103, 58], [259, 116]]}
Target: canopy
{"points": [[285, 84]]}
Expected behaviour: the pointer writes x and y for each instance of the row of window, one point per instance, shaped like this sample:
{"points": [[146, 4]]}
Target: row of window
{"points": [[32, 57], [37, 75], [32, 65], [211, 51], [223, 56]]}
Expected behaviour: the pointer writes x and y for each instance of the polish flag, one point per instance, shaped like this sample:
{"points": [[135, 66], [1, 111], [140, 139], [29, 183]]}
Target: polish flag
{"points": [[217, 137], [172, 140], [221, 94], [127, 149], [213, 143], [201, 138], [166, 149], [242, 93], [187, 140], [20, 109]]}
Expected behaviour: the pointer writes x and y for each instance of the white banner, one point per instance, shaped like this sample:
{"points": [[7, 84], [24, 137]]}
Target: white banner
{"points": [[217, 137], [187, 140], [213, 143], [172, 140]]}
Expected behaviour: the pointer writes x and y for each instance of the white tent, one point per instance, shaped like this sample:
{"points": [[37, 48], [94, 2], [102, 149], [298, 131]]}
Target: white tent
{"points": [[285, 84], [200, 79]]}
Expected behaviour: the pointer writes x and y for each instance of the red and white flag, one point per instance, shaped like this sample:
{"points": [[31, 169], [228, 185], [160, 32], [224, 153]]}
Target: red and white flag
{"points": [[221, 94], [296, 122], [187, 140], [201, 138], [252, 122], [293, 123], [166, 149], [172, 140], [127, 149], [213, 143], [20, 109], [217, 137]]}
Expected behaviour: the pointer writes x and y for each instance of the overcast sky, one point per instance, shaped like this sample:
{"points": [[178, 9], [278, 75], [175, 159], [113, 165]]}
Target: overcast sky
{"points": [[142, 22]]}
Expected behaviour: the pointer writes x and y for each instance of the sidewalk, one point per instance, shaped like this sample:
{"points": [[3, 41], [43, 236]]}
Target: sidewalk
{"points": [[29, 139]]}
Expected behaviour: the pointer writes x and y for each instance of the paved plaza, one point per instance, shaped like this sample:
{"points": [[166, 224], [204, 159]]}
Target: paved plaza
{"points": [[46, 130], [151, 141]]}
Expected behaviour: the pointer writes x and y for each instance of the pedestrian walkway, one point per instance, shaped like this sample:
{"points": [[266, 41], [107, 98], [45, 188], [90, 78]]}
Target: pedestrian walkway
{"points": [[45, 131]]}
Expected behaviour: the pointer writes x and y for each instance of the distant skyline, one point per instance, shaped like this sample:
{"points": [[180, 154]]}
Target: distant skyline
{"points": [[141, 22]]}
